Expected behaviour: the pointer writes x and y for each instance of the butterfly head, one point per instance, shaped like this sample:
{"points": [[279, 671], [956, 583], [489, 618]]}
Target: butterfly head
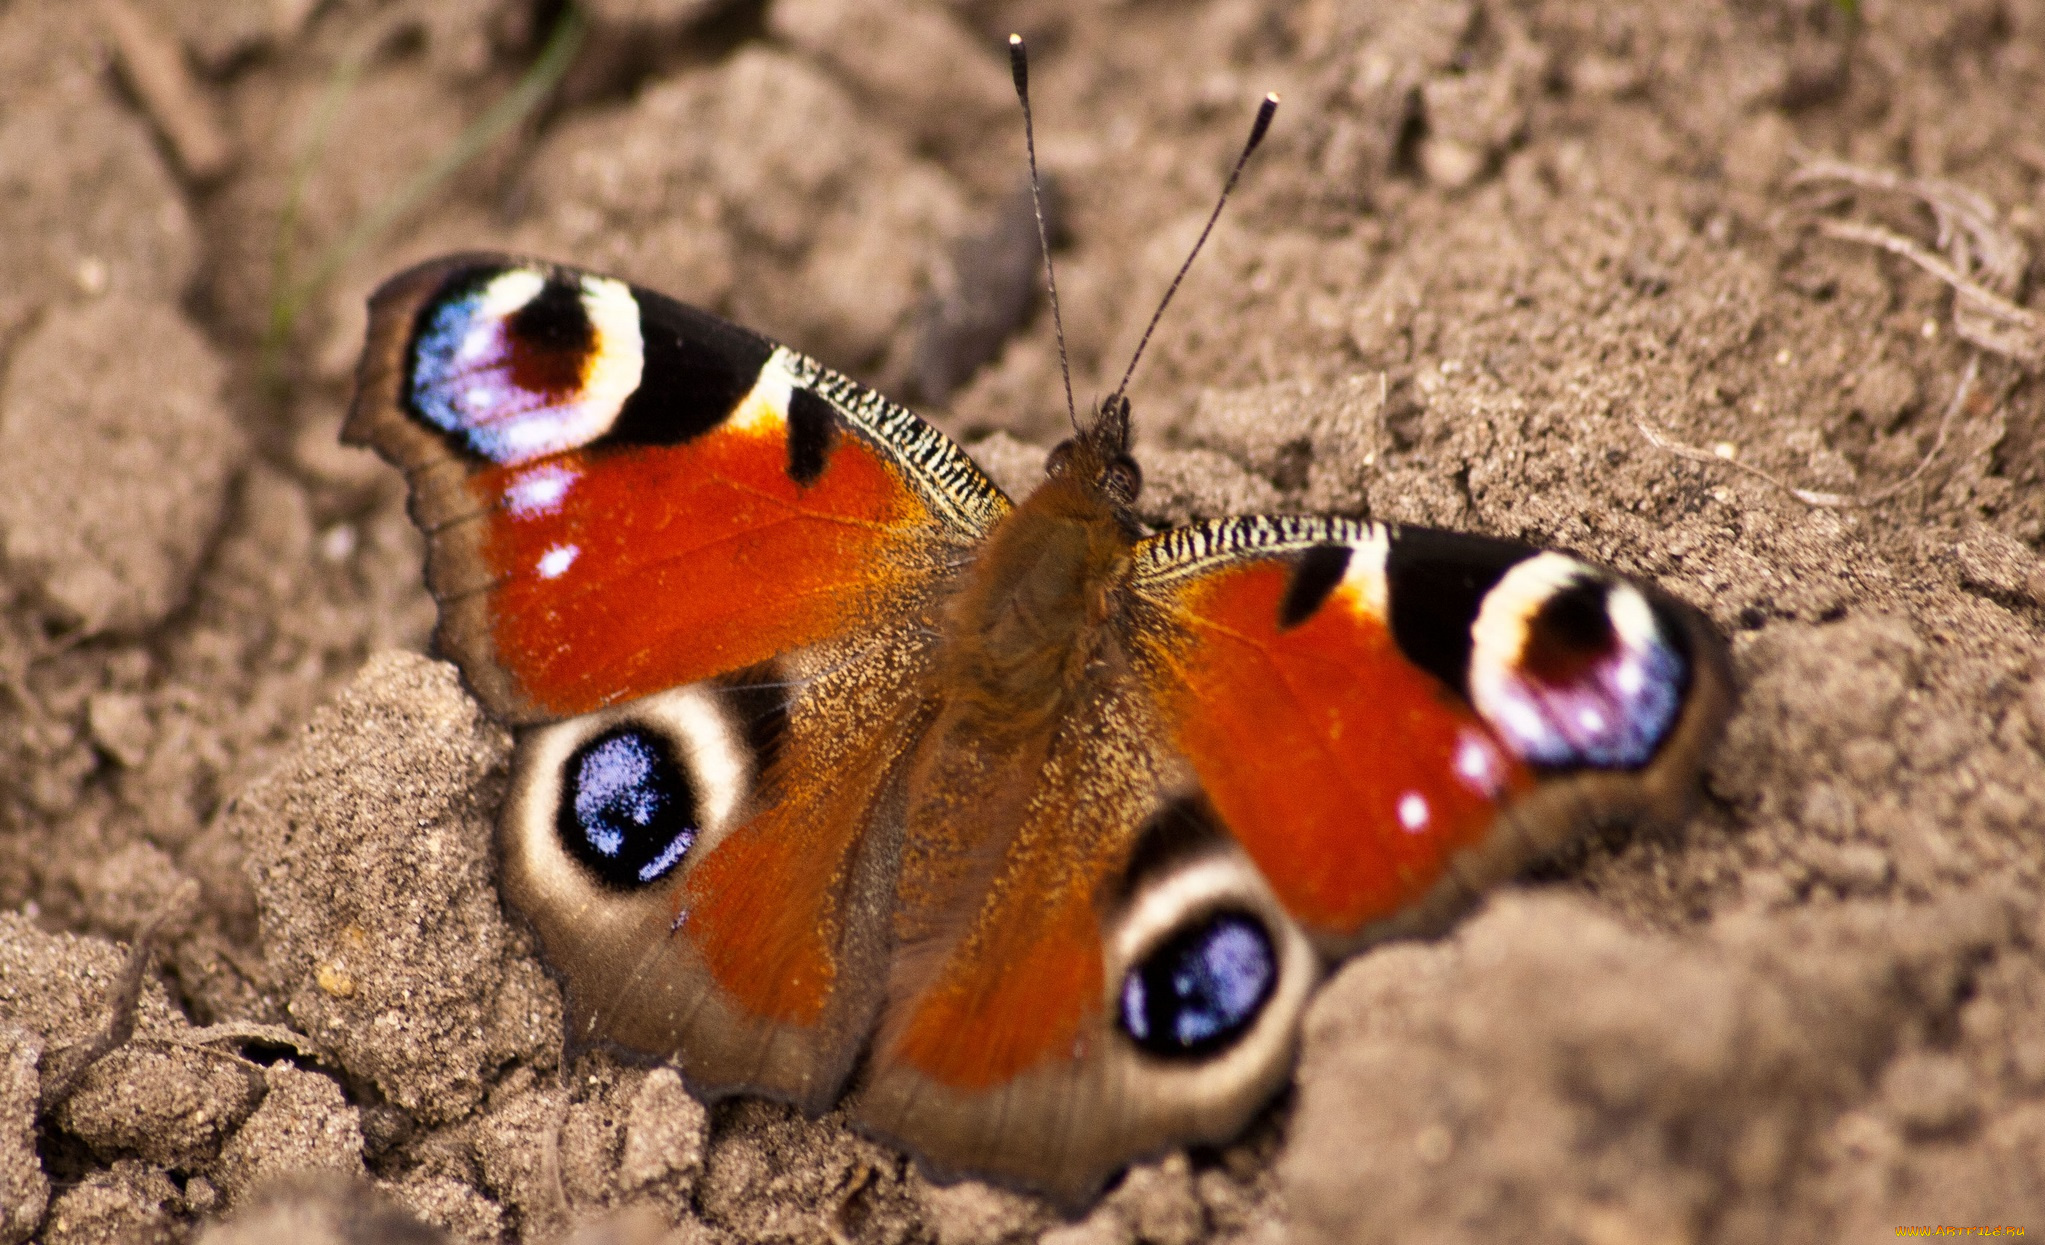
{"points": [[1096, 459]]}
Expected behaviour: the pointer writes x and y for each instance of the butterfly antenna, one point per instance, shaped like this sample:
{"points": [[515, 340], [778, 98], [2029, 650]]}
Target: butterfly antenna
{"points": [[1258, 128], [1019, 65]]}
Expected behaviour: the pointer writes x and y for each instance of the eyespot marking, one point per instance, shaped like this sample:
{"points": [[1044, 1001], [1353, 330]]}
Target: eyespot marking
{"points": [[627, 812], [518, 363], [1572, 668], [1202, 988]]}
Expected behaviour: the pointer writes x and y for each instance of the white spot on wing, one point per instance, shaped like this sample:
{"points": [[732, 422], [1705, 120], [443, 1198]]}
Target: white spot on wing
{"points": [[1632, 617], [507, 292], [538, 491], [1478, 763], [557, 560], [618, 356], [1413, 812]]}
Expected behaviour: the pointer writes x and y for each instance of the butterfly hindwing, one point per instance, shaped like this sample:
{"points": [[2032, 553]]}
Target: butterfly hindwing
{"points": [[710, 867], [622, 494], [1096, 979]]}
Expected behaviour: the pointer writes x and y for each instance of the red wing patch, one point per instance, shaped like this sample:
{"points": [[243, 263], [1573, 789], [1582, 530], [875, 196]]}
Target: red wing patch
{"points": [[765, 909], [649, 567], [1027, 986], [1351, 775]]}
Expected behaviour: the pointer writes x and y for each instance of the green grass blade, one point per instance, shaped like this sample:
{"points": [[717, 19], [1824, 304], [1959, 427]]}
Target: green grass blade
{"points": [[554, 59]]}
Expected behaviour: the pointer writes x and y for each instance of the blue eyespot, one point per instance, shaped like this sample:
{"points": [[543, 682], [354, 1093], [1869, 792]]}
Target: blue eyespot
{"points": [[1574, 669], [627, 812], [519, 364], [1202, 989]]}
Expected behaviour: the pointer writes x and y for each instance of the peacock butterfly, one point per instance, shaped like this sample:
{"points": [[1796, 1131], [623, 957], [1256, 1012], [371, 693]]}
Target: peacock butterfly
{"points": [[1025, 830]]}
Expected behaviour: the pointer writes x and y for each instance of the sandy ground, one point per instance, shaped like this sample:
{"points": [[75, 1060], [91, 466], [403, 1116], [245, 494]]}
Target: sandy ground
{"points": [[1487, 242]]}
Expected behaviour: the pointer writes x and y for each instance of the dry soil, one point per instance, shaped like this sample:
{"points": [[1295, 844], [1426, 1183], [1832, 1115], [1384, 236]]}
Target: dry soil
{"points": [[1491, 246]]}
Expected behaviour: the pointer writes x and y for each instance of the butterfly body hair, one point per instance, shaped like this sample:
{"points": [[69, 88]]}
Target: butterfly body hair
{"points": [[1026, 625]]}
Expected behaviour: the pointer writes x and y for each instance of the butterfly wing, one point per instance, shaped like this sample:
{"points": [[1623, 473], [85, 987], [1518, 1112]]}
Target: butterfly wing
{"points": [[754, 825], [710, 867], [1389, 720], [622, 494], [1307, 734], [1111, 978], [700, 570]]}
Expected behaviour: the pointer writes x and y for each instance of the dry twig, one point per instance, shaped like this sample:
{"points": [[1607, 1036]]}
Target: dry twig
{"points": [[1983, 262], [239, 1032], [154, 65], [1980, 315], [1813, 497], [66, 1066]]}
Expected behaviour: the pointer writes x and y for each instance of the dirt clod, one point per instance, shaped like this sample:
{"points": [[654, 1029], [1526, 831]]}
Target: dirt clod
{"points": [[100, 398], [404, 980], [24, 1189], [305, 1125]]}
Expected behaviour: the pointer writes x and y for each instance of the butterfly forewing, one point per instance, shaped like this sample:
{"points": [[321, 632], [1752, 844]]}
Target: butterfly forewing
{"points": [[1391, 719], [622, 494]]}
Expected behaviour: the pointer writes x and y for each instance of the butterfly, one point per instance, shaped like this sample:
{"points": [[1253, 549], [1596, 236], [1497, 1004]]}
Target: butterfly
{"points": [[1021, 829]]}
